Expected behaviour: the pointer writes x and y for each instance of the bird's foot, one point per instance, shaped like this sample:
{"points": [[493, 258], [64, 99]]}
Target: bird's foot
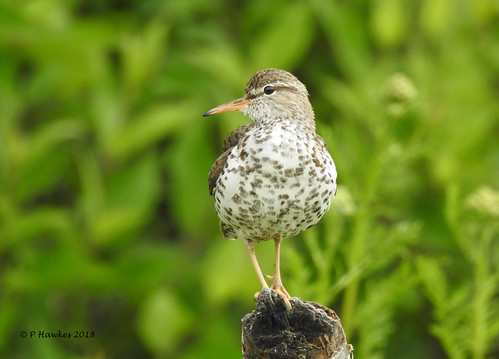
{"points": [[280, 290], [282, 293]]}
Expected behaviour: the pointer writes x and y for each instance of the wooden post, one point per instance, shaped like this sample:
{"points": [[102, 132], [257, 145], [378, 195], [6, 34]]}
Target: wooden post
{"points": [[306, 331]]}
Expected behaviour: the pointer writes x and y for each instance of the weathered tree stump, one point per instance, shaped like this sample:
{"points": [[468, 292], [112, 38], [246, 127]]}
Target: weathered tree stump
{"points": [[306, 331]]}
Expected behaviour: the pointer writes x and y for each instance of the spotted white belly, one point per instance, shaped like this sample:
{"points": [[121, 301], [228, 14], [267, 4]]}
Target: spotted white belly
{"points": [[277, 181]]}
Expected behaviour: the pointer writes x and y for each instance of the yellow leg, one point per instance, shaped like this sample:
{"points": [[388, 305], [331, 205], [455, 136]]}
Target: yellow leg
{"points": [[250, 248], [276, 278]]}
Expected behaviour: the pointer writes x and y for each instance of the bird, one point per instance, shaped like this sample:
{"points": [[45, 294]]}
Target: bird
{"points": [[275, 177]]}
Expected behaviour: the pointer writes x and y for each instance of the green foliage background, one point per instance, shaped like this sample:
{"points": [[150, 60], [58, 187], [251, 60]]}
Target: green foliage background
{"points": [[106, 224]]}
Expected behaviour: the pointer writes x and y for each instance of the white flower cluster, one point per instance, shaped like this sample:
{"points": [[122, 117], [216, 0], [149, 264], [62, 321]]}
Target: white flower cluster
{"points": [[399, 91], [485, 201]]}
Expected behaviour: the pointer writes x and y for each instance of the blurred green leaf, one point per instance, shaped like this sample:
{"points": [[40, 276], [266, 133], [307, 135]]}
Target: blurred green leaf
{"points": [[163, 321], [149, 127], [43, 159], [390, 22], [346, 32], [436, 16], [223, 63], [190, 162], [19, 229], [286, 38], [225, 264], [9, 312], [112, 224], [129, 203], [228, 273], [219, 345], [137, 185], [143, 54]]}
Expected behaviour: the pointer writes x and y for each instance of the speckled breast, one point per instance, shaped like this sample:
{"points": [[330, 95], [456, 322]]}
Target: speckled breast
{"points": [[278, 180]]}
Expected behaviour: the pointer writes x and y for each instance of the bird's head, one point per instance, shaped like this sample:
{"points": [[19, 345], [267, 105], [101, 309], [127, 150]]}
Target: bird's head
{"points": [[270, 95]]}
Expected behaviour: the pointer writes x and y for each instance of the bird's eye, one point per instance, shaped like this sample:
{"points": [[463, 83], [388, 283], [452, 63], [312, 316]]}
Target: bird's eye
{"points": [[268, 90]]}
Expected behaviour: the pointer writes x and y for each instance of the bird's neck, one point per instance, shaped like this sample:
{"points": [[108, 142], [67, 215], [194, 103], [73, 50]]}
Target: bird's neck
{"points": [[299, 113], [295, 123]]}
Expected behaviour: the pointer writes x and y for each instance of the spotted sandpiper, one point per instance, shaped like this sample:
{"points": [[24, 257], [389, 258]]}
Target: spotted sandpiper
{"points": [[275, 177]]}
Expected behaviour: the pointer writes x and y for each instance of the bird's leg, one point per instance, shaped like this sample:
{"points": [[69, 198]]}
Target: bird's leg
{"points": [[276, 278], [250, 248]]}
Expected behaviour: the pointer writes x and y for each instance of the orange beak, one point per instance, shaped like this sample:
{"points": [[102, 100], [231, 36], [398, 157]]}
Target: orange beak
{"points": [[237, 104]]}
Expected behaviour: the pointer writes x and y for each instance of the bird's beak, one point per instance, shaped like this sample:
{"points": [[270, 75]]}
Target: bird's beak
{"points": [[237, 104]]}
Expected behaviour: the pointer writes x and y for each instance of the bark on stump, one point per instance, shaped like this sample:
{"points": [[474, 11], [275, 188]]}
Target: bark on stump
{"points": [[307, 331]]}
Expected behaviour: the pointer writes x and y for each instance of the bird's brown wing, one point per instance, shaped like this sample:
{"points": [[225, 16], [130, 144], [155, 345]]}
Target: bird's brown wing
{"points": [[234, 137], [216, 169], [231, 141]]}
